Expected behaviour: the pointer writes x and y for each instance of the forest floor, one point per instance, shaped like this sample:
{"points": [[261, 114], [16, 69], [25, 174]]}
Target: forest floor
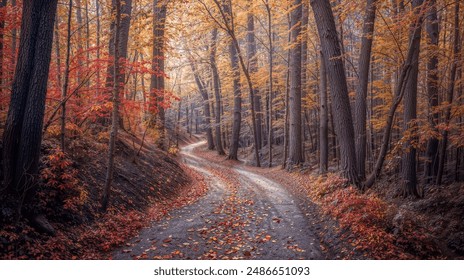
{"points": [[148, 183]]}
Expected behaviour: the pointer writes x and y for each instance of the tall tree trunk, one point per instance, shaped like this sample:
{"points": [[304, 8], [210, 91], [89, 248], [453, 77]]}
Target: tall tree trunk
{"points": [[126, 11], [338, 87], [431, 164], [304, 70], [410, 112], [271, 81], [157, 85], [97, 12], [237, 120], [400, 90], [450, 94], [64, 91], [115, 114], [23, 130], [80, 48], [295, 154], [217, 91], [361, 94], [253, 68], [324, 120], [287, 99]]}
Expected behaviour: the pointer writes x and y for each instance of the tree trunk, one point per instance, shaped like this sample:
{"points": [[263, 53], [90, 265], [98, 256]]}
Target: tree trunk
{"points": [[23, 130], [361, 94], [405, 74], [324, 120], [410, 113], [431, 164], [80, 47], [271, 82], [234, 142], [157, 85], [338, 88], [115, 115], [449, 94], [253, 68], [97, 12], [64, 91], [217, 91], [295, 154], [287, 97], [126, 10]]}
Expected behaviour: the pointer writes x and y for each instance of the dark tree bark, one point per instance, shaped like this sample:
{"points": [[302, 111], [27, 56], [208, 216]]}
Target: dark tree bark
{"points": [[115, 114], [64, 90], [295, 153], [433, 35], [253, 68], [338, 88], [237, 120], [157, 84], [324, 120], [23, 131], [361, 94], [410, 110], [126, 11], [217, 91], [450, 94]]}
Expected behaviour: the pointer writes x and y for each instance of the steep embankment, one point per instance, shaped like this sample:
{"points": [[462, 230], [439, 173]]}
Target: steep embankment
{"points": [[148, 183]]}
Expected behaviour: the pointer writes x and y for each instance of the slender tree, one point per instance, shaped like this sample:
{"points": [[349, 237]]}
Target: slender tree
{"points": [[295, 155], [410, 108], [115, 113], [433, 35], [361, 93], [450, 92], [157, 84], [324, 119], [217, 90], [64, 91], [270, 139], [253, 68]]}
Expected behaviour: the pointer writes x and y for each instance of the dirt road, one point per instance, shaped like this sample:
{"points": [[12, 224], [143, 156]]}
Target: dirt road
{"points": [[243, 216]]}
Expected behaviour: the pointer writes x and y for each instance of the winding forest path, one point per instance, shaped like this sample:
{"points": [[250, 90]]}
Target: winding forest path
{"points": [[243, 216]]}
